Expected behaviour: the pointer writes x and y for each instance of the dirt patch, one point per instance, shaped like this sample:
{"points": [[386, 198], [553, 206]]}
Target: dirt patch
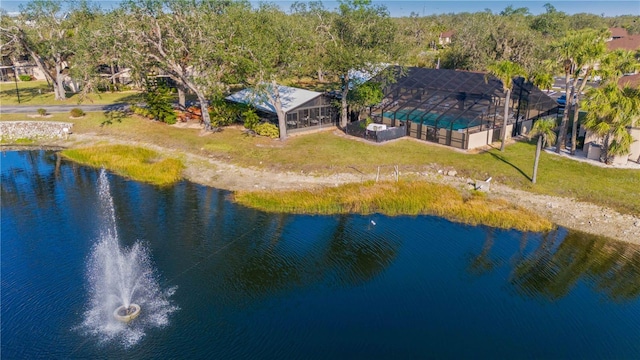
{"points": [[563, 211], [37, 116]]}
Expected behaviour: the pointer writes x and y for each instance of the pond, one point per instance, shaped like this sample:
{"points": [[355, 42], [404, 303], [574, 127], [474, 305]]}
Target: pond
{"points": [[217, 280]]}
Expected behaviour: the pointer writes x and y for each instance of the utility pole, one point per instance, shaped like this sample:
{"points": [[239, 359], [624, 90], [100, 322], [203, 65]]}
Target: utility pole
{"points": [[15, 78]]}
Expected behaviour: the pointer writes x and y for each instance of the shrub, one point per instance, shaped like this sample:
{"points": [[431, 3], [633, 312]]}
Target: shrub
{"points": [[139, 110], [222, 113], [24, 77], [77, 112], [267, 129], [364, 123], [171, 119], [42, 112], [251, 119], [159, 105]]}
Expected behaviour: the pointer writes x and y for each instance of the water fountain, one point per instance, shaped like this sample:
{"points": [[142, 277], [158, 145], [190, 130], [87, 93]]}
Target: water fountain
{"points": [[126, 298]]}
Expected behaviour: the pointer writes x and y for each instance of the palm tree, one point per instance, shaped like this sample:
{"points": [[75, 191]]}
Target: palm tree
{"points": [[617, 63], [565, 48], [592, 49], [578, 52], [610, 111], [542, 74], [544, 129], [542, 80], [505, 71]]}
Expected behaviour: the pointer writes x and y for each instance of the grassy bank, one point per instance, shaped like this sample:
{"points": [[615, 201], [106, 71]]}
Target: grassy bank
{"points": [[133, 162], [327, 153], [401, 198]]}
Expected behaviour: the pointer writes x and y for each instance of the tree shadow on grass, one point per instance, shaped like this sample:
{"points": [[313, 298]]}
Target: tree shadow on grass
{"points": [[26, 94], [91, 98], [501, 158]]}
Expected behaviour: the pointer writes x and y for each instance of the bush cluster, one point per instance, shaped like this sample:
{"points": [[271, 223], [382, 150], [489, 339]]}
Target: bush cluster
{"points": [[77, 112], [159, 105], [144, 112], [251, 119], [223, 113], [25, 77], [267, 129]]}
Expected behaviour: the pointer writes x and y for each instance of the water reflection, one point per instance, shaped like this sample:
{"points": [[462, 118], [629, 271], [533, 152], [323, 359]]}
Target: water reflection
{"points": [[358, 256], [555, 267], [483, 263]]}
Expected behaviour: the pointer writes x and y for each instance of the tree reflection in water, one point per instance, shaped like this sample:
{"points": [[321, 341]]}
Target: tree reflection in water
{"points": [[556, 266], [348, 257], [483, 263]]}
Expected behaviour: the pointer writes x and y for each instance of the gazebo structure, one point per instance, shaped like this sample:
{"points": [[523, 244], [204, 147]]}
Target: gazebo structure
{"points": [[305, 110], [458, 108]]}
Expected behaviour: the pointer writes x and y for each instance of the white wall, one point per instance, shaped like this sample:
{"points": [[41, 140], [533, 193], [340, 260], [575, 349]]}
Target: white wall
{"points": [[480, 139], [634, 155]]}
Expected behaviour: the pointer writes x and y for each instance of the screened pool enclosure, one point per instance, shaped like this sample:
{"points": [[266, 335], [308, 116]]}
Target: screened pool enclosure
{"points": [[304, 110], [458, 108]]}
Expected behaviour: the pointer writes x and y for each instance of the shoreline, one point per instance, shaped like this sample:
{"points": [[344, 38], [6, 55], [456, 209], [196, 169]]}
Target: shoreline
{"points": [[205, 170]]}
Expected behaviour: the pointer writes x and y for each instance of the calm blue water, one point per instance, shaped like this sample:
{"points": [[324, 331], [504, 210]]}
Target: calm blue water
{"points": [[256, 285], [432, 119]]}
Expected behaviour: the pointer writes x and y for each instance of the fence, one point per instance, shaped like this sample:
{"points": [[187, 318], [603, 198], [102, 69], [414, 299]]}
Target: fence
{"points": [[359, 129]]}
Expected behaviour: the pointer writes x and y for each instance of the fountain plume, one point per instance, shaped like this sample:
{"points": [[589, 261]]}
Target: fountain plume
{"points": [[121, 277]]}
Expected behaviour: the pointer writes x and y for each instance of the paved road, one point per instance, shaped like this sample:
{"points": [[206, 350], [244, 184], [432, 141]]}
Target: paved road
{"points": [[18, 109], [559, 83]]}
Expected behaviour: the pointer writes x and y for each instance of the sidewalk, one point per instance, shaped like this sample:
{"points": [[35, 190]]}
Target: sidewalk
{"points": [[582, 157]]}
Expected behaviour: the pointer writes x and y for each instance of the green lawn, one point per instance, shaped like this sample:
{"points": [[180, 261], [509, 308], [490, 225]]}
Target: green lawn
{"points": [[40, 93], [324, 153]]}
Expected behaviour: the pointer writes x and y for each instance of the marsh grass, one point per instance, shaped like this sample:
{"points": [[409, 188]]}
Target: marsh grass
{"points": [[401, 198], [136, 163]]}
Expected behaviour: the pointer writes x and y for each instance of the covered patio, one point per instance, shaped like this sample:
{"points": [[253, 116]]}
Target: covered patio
{"points": [[305, 110]]}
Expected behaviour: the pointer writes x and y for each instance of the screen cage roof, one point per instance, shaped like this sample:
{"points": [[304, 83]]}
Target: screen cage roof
{"points": [[456, 99]]}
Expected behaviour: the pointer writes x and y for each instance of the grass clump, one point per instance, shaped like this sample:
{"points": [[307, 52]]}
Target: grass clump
{"points": [[77, 112], [23, 141], [401, 198], [136, 163]]}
